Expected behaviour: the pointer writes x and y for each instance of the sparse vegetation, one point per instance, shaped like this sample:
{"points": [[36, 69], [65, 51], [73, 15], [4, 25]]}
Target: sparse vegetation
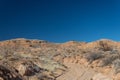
{"points": [[105, 46], [108, 60], [93, 56], [116, 66]]}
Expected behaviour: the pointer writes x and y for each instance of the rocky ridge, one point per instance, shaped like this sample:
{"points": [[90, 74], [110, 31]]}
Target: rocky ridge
{"points": [[25, 59]]}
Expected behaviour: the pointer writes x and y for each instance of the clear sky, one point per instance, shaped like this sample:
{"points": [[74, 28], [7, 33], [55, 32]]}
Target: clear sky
{"points": [[60, 20]]}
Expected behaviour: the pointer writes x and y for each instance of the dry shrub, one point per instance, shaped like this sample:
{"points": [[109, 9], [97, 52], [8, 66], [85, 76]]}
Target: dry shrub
{"points": [[105, 46], [108, 60], [116, 66], [93, 56]]}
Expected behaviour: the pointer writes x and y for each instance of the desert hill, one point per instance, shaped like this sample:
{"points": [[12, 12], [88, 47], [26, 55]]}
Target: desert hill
{"points": [[25, 59]]}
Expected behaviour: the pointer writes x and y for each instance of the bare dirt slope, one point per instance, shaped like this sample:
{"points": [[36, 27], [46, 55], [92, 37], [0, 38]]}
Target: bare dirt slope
{"points": [[77, 72]]}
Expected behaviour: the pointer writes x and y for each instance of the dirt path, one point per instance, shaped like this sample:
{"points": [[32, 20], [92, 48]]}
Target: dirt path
{"points": [[77, 72]]}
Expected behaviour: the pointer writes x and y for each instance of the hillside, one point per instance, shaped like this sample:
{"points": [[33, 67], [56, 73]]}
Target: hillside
{"points": [[25, 59]]}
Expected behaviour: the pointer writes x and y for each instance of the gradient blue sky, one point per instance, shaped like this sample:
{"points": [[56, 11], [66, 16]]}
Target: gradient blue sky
{"points": [[60, 20]]}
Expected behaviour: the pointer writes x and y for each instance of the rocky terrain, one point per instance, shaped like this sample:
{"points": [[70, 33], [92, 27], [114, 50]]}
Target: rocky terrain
{"points": [[25, 59]]}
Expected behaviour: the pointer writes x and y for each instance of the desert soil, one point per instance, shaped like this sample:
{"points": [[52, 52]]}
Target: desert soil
{"points": [[77, 72]]}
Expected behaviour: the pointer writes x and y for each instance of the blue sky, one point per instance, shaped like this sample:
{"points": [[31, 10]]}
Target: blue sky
{"points": [[60, 20]]}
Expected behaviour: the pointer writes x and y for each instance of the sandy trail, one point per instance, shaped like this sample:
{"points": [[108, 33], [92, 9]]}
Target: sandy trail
{"points": [[77, 72]]}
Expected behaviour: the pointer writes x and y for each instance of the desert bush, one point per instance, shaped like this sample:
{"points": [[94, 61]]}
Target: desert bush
{"points": [[49, 64], [105, 46], [93, 56], [108, 60], [114, 51], [1, 57], [116, 66]]}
